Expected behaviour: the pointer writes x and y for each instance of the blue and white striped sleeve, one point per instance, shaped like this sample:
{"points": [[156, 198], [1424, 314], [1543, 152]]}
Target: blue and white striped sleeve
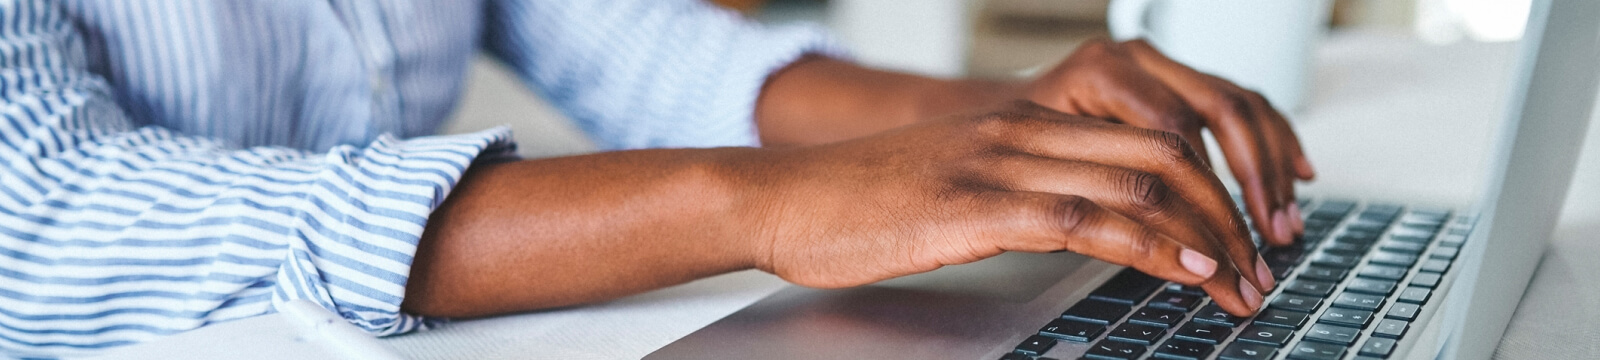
{"points": [[648, 73], [112, 233]]}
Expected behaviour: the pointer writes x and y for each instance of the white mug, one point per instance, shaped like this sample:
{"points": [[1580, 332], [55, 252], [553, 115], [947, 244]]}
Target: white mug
{"points": [[1262, 45]]}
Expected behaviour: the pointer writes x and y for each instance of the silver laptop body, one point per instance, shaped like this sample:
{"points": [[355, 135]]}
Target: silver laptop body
{"points": [[1451, 302]]}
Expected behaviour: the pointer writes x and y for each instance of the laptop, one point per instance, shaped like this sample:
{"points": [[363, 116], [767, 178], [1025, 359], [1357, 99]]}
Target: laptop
{"points": [[1370, 279]]}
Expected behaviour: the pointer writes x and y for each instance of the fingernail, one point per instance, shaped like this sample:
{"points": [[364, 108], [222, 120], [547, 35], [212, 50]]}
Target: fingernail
{"points": [[1264, 274], [1280, 226], [1197, 263], [1251, 296], [1294, 215]]}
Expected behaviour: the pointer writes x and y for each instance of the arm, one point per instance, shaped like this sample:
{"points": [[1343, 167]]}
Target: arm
{"points": [[115, 233]]}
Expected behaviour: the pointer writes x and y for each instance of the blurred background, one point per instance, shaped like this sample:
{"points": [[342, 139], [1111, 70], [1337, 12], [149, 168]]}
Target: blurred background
{"points": [[952, 38]]}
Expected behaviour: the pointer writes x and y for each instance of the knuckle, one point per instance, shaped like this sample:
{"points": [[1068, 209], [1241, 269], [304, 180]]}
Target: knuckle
{"points": [[1234, 106], [1143, 245], [1173, 149], [1073, 214], [1146, 192]]}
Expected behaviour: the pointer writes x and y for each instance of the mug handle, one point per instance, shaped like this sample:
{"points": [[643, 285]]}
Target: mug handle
{"points": [[1126, 19]]}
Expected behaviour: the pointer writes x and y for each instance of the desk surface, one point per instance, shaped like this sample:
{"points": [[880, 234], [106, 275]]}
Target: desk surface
{"points": [[1421, 115]]}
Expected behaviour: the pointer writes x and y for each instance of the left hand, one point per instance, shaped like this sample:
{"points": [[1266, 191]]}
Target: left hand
{"points": [[1132, 83]]}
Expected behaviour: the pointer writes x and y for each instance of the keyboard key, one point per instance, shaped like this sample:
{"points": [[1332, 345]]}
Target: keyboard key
{"points": [[1296, 303], [1176, 301], [1427, 280], [1333, 334], [1370, 286], [1391, 328], [1185, 289], [1128, 287], [1415, 295], [1444, 253], [1346, 248], [1181, 349], [1072, 330], [1309, 287], [1035, 345], [1403, 311], [1337, 209], [1138, 334], [1346, 317], [1453, 241], [1213, 314], [1404, 247], [1358, 236], [1282, 318], [1352, 300], [1096, 311], [1114, 350], [1435, 265], [1156, 316], [1412, 237], [1206, 333], [1015, 356], [1391, 258], [1323, 273], [1270, 335], [1248, 351], [1335, 260], [1311, 350], [1382, 272], [1377, 347]]}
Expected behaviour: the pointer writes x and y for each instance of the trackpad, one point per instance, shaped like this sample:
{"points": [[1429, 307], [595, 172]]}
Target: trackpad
{"points": [[1015, 277]]}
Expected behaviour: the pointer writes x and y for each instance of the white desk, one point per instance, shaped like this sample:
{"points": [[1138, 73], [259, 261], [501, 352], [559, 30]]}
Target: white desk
{"points": [[1420, 115]]}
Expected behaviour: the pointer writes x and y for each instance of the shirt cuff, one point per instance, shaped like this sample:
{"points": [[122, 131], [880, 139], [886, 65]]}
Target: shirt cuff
{"points": [[761, 54]]}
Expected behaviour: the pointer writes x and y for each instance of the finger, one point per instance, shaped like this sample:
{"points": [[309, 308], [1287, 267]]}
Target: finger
{"points": [[1278, 136], [1137, 195], [1232, 118], [1164, 154], [1044, 222]]}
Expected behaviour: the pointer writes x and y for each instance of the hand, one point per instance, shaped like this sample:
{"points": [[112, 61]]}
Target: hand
{"points": [[1132, 83], [968, 187]]}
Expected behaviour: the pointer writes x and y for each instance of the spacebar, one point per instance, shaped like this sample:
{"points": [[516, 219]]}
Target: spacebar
{"points": [[1128, 287]]}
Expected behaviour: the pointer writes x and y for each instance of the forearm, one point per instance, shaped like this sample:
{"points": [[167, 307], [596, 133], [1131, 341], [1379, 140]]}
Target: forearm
{"points": [[820, 100], [555, 232]]}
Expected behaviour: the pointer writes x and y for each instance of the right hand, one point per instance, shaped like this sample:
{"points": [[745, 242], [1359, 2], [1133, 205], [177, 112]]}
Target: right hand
{"points": [[971, 186]]}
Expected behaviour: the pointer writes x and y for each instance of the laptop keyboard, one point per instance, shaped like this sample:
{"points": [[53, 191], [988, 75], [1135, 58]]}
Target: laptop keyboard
{"points": [[1348, 290]]}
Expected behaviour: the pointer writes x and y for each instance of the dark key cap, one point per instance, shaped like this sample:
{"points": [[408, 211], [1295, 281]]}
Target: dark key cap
{"points": [[1282, 318], [1391, 328], [1338, 208], [1444, 253], [1335, 260], [1097, 311], [1412, 237], [1115, 350], [1127, 287], [1358, 237], [1415, 295], [1185, 289], [1382, 272], [1404, 247], [1311, 350], [1156, 316], [1280, 272], [1377, 347], [1346, 317], [1296, 303], [1015, 356], [1135, 333], [1309, 287], [1270, 335], [1352, 300], [1206, 333], [1289, 255], [1175, 301], [1072, 330], [1323, 273], [1181, 349], [1435, 265], [1391, 258], [1213, 314], [1333, 334], [1370, 286], [1035, 345], [1366, 226], [1427, 280], [1248, 351], [1346, 248], [1403, 311]]}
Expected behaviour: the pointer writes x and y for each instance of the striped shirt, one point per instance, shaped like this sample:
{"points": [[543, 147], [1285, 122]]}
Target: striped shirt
{"points": [[169, 164]]}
